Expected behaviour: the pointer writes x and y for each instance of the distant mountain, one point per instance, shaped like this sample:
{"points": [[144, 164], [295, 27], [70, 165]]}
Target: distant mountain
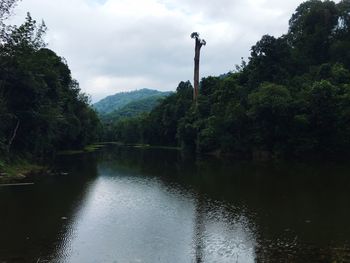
{"points": [[134, 108], [118, 101]]}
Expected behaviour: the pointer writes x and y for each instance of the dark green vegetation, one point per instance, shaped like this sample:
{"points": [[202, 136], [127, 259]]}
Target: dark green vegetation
{"points": [[41, 107], [292, 98], [128, 103]]}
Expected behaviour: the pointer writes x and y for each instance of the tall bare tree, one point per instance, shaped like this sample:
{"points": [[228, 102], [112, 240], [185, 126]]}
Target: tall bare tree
{"points": [[199, 44]]}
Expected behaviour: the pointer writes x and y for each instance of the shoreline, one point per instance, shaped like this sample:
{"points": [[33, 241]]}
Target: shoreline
{"points": [[21, 172]]}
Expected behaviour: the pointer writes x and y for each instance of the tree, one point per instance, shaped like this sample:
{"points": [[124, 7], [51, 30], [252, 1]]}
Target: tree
{"points": [[270, 61], [41, 107], [6, 7], [270, 112], [199, 43], [310, 30]]}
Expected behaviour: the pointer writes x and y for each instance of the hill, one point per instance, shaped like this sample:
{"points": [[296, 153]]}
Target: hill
{"points": [[118, 101], [134, 108]]}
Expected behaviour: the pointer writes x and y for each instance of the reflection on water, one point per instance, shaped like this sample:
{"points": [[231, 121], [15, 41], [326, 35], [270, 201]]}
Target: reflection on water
{"points": [[130, 217], [134, 205], [221, 236]]}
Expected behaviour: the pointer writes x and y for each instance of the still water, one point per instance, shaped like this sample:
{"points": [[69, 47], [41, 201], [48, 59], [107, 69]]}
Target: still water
{"points": [[152, 205]]}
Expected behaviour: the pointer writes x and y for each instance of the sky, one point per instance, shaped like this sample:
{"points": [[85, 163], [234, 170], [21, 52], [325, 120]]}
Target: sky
{"points": [[123, 45]]}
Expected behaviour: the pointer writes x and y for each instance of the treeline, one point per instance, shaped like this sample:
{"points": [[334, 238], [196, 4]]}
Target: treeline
{"points": [[292, 98], [41, 107]]}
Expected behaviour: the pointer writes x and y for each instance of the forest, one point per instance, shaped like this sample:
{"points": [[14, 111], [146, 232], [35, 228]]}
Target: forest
{"points": [[290, 99], [42, 109]]}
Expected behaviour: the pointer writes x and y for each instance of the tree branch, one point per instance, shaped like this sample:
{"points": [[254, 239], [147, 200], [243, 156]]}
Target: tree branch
{"points": [[13, 136]]}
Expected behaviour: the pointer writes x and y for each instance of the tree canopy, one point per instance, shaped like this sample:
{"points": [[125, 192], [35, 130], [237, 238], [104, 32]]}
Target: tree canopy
{"points": [[41, 107]]}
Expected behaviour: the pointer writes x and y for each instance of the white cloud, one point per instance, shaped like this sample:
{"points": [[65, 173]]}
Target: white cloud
{"points": [[120, 45]]}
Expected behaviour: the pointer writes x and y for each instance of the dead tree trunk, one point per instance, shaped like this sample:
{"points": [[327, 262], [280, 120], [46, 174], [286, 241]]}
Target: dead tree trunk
{"points": [[196, 70], [198, 46]]}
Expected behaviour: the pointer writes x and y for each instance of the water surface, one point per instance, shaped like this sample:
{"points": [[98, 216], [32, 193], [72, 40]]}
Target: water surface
{"points": [[149, 205]]}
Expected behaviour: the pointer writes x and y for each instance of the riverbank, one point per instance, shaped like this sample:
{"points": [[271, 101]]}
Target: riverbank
{"points": [[20, 171], [139, 145], [86, 149]]}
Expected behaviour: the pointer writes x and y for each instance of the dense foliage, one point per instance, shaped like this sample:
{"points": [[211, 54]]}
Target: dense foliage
{"points": [[292, 98], [41, 106]]}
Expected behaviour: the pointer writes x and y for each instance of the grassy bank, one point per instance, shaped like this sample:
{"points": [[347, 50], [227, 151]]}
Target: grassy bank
{"points": [[142, 146], [87, 149], [18, 170]]}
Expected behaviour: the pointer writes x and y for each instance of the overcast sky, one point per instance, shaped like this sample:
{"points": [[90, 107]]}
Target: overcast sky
{"points": [[122, 45]]}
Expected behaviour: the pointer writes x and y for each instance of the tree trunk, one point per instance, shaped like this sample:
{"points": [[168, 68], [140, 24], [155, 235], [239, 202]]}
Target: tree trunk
{"points": [[196, 70]]}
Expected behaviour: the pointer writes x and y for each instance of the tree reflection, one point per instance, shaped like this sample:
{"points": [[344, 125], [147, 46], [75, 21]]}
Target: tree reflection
{"points": [[199, 230]]}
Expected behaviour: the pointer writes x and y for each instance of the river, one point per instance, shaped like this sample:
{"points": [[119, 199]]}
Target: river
{"points": [[155, 205]]}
